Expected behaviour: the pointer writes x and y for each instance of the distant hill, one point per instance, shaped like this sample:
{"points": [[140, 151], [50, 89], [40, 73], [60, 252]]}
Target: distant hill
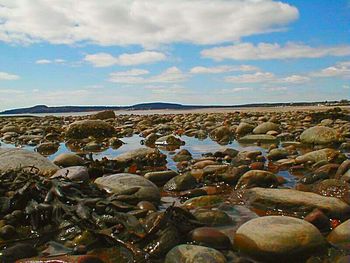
{"points": [[155, 106]]}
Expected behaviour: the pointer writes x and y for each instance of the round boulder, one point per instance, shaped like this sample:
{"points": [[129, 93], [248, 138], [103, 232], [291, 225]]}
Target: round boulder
{"points": [[319, 135], [279, 237], [84, 129]]}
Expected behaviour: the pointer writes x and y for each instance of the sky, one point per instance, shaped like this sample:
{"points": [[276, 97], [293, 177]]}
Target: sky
{"points": [[210, 52]]}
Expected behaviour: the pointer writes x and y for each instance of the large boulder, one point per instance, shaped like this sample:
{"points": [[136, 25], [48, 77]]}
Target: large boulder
{"points": [[11, 159], [194, 254], [103, 115], [124, 182], [265, 127], [294, 201], [86, 128], [280, 238], [319, 135]]}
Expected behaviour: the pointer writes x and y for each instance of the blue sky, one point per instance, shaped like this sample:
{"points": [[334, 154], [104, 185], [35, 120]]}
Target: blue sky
{"points": [[122, 52]]}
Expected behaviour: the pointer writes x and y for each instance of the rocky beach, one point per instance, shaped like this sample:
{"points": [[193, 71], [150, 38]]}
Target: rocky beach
{"points": [[191, 187]]}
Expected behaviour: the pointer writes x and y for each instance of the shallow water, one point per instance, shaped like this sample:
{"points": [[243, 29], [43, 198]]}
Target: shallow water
{"points": [[195, 146]]}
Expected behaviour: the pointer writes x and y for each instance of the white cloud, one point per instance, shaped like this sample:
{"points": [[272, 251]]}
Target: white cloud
{"points": [[8, 76], [222, 69], [167, 90], [346, 87], [257, 77], [106, 60], [263, 51], [170, 75], [48, 61], [266, 77], [295, 79], [341, 69], [234, 90], [43, 61], [146, 23], [273, 89]]}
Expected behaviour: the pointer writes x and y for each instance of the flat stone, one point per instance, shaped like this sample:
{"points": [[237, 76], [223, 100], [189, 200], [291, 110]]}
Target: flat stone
{"points": [[263, 138], [13, 158], [120, 183], [291, 201]]}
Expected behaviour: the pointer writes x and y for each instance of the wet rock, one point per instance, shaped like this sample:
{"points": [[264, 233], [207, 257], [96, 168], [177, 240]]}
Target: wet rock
{"points": [[210, 237], [47, 148], [319, 135], [180, 183], [146, 205], [289, 200], [262, 138], [276, 154], [11, 159], [244, 128], [86, 128], [115, 142], [326, 154], [204, 163], [151, 139], [318, 219], [263, 128], [120, 183], [92, 147], [257, 178], [160, 177], [141, 154], [74, 173], [103, 115], [221, 134], [194, 254], [334, 188], [204, 201], [340, 235], [280, 238], [213, 217], [7, 232], [170, 140], [17, 251], [342, 169], [182, 155], [68, 159]]}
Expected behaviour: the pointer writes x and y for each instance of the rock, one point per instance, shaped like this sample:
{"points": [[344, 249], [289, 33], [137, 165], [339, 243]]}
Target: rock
{"points": [[326, 154], [86, 128], [160, 177], [68, 159], [264, 127], [180, 182], [151, 139], [17, 251], [204, 201], [318, 219], [342, 169], [194, 254], [334, 188], [47, 148], [74, 173], [115, 142], [244, 128], [140, 154], [170, 140], [204, 163], [120, 183], [289, 200], [280, 238], [276, 154], [103, 115], [210, 237], [11, 159], [213, 217], [341, 234], [262, 138], [182, 155], [319, 135], [221, 134], [257, 178]]}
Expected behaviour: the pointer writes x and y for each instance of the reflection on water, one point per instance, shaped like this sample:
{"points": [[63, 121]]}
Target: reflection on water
{"points": [[195, 146]]}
